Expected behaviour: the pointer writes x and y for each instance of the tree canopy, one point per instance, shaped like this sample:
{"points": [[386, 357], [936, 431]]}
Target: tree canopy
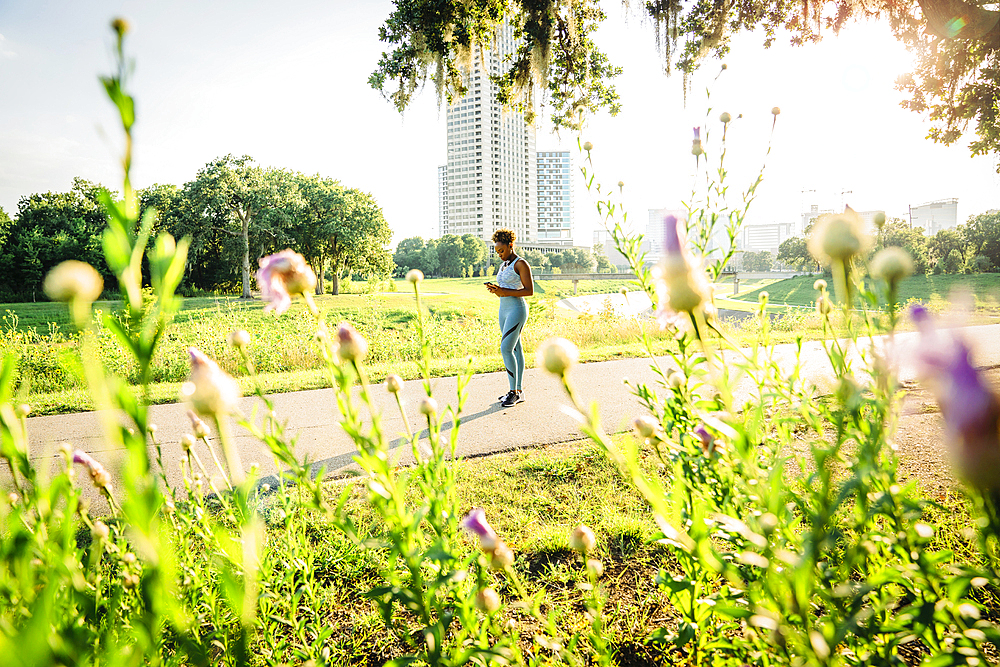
{"points": [[955, 82]]}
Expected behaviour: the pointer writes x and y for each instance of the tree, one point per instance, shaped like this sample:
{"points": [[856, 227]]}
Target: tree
{"points": [[946, 240], [242, 200], [757, 261], [982, 233], [951, 263], [5, 225], [604, 265], [535, 259], [555, 259], [408, 255], [794, 252], [356, 238], [450, 260], [898, 232], [954, 81], [50, 228], [473, 252]]}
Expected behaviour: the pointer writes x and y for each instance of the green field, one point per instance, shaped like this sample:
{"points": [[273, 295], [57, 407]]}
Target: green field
{"points": [[934, 290]]}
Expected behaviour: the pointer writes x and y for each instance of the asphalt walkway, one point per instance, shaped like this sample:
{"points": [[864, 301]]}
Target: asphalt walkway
{"points": [[312, 417]]}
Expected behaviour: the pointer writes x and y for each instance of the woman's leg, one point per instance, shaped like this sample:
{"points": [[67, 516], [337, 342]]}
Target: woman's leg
{"points": [[508, 330], [514, 316]]}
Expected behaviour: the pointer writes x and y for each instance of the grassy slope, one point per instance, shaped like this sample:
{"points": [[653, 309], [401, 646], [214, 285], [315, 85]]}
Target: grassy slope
{"points": [[984, 287]]}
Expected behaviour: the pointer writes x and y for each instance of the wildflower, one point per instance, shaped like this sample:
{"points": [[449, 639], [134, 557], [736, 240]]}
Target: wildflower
{"points": [[892, 264], [645, 426], [98, 473], [487, 600], [22, 410], [838, 237], [283, 275], [582, 539], [120, 26], [187, 442], [725, 118], [595, 568], [879, 219], [352, 345], [100, 531], [971, 410], [414, 276], [823, 304], [682, 285], [557, 355], [706, 438], [129, 557], [621, 184], [199, 427], [475, 522], [503, 556], [393, 383], [239, 339], [675, 379], [763, 297], [428, 406], [73, 281], [819, 285], [696, 143], [209, 389], [775, 111], [12, 498], [152, 428], [587, 146]]}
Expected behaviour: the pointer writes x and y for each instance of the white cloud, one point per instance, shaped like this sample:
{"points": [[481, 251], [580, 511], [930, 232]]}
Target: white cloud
{"points": [[5, 48]]}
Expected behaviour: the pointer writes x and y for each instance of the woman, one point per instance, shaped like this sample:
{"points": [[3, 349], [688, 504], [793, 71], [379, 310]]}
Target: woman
{"points": [[514, 282]]}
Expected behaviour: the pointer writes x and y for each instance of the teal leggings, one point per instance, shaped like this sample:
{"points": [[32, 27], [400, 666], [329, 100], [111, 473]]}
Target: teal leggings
{"points": [[513, 315]]}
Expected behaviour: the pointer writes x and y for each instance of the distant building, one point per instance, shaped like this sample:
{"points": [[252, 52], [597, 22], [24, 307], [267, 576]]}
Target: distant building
{"points": [[654, 228], [757, 238], [491, 156], [809, 217], [935, 216], [555, 198], [442, 200]]}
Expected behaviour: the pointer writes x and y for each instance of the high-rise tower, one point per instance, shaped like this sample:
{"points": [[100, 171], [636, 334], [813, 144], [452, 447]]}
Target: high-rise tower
{"points": [[491, 171], [555, 198]]}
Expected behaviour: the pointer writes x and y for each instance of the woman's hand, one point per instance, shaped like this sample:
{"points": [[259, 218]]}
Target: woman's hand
{"points": [[495, 289]]}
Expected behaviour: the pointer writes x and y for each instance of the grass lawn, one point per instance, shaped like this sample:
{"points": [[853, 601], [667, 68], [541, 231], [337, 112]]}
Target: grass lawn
{"points": [[931, 289]]}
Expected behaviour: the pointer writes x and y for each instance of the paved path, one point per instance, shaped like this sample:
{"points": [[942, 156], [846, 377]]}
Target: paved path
{"points": [[486, 427]]}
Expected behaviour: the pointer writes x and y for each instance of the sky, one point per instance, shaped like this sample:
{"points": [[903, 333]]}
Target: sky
{"points": [[287, 83]]}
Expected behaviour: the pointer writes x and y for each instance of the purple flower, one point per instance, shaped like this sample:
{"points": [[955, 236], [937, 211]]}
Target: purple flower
{"points": [[98, 473], [681, 283], [475, 522], [697, 134], [971, 410], [706, 438], [283, 275]]}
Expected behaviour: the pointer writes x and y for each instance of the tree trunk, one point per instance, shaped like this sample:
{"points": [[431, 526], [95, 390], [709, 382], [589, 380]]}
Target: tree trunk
{"points": [[335, 282], [319, 277], [246, 255]]}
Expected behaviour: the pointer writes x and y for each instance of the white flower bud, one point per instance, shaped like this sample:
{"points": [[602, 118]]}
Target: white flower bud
{"points": [[352, 345], [502, 557], [487, 600], [587, 146], [837, 238], [128, 557], [22, 410], [73, 280], [763, 297], [428, 406], [209, 389], [414, 276], [239, 339], [775, 111], [892, 264], [725, 117], [393, 383], [582, 539], [557, 355], [645, 426], [595, 568], [100, 530]]}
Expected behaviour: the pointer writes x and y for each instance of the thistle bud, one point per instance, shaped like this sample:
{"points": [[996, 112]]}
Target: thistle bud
{"points": [[819, 285], [892, 264], [199, 427], [22, 410], [393, 383], [502, 557], [823, 305], [595, 568], [675, 379], [352, 346], [281, 276], [582, 539], [557, 355], [879, 219], [100, 531], [475, 522], [239, 339], [725, 118], [775, 111], [12, 498], [120, 26], [587, 146], [837, 238], [487, 600], [621, 184], [763, 297], [645, 426], [428, 406], [414, 276], [187, 442], [129, 557], [696, 143], [73, 281], [209, 389]]}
